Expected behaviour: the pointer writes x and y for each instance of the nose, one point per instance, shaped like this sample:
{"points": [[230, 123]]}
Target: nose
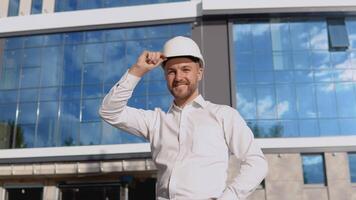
{"points": [[179, 76]]}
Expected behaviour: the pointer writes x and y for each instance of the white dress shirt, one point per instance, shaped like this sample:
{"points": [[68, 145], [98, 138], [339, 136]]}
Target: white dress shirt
{"points": [[190, 146]]}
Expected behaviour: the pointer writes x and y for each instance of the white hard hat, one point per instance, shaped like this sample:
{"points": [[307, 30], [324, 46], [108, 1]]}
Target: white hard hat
{"points": [[182, 46]]}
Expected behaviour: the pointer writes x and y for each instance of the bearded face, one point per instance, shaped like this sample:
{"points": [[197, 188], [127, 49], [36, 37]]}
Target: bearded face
{"points": [[183, 76]]}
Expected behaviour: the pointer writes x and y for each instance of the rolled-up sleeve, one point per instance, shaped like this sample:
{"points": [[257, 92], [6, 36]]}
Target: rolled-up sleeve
{"points": [[241, 143]]}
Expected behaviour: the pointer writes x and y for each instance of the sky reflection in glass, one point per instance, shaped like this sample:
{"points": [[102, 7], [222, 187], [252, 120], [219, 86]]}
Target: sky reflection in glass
{"points": [[288, 80], [59, 80]]}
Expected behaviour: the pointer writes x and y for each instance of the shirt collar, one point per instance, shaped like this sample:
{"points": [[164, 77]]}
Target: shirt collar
{"points": [[199, 101]]}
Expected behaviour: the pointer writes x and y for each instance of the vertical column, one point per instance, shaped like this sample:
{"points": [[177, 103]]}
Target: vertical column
{"points": [[285, 177], [50, 191], [4, 7], [124, 192], [48, 6], [338, 176], [25, 7]]}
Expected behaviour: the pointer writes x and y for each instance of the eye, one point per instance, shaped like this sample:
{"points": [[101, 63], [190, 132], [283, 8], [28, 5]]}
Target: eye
{"points": [[186, 70]]}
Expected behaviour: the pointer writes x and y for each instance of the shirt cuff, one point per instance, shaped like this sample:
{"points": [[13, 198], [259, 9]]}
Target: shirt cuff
{"points": [[128, 81], [228, 195]]}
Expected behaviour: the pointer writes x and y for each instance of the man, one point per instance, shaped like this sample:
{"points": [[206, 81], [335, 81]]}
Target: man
{"points": [[191, 143]]}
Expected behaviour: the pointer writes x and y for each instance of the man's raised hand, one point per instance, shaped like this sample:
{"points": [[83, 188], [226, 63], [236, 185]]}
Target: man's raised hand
{"points": [[147, 61]]}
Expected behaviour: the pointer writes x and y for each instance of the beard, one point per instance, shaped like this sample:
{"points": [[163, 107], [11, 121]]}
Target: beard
{"points": [[183, 89]]}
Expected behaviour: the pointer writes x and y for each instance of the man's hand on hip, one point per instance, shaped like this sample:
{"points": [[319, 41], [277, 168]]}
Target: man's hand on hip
{"points": [[147, 61]]}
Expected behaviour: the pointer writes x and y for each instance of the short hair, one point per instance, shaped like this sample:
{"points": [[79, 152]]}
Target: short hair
{"points": [[192, 58]]}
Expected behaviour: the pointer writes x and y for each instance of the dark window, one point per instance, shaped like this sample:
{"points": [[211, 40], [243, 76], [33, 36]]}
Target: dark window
{"points": [[313, 169], [90, 191], [13, 8], [24, 193], [352, 166], [338, 38], [36, 7]]}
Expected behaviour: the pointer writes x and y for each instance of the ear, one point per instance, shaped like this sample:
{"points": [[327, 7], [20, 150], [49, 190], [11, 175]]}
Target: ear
{"points": [[200, 72]]}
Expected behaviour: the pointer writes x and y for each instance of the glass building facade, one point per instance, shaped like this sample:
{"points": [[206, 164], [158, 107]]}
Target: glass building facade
{"points": [[289, 82], [51, 86], [313, 169]]}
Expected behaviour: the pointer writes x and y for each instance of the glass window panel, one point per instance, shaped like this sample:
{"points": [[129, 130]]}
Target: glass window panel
{"points": [[252, 124], [47, 124], [318, 35], [70, 93], [53, 39], [93, 73], [115, 59], [303, 76], [89, 4], [242, 38], [115, 35], [184, 29], [352, 166], [50, 71], [157, 74], [13, 8], [157, 87], [266, 103], [74, 37], [34, 41], [14, 42], [284, 76], [36, 6], [326, 100], [324, 75], [11, 58], [92, 91], [329, 127], [72, 65], [340, 59], [246, 102], [69, 122], [94, 36], [29, 77], [264, 77], [346, 103], [282, 61], [343, 75], [280, 34], [313, 169], [269, 128], [261, 37], [90, 109], [246, 77], [9, 79], [306, 101], [299, 35], [337, 33], [94, 53], [141, 89], [25, 136], [263, 61], [8, 96], [49, 94], [110, 134], [136, 33], [27, 192], [244, 61], [10, 110], [347, 126], [351, 30], [286, 102], [160, 101], [320, 59], [301, 60], [286, 128], [114, 3], [308, 128], [29, 95], [27, 113], [32, 57], [90, 133], [158, 31]]}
